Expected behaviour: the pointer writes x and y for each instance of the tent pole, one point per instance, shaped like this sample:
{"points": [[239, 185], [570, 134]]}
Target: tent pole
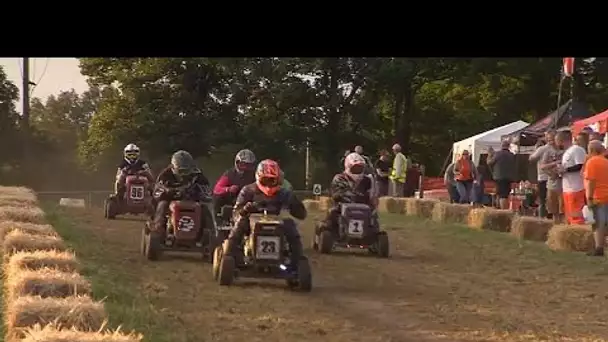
{"points": [[559, 102]]}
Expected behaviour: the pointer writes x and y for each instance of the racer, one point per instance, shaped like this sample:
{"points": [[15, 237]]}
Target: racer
{"points": [[131, 163], [233, 180], [181, 172], [267, 190], [350, 186]]}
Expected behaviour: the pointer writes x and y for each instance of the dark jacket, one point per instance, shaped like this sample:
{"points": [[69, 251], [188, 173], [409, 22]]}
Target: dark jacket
{"points": [[283, 199], [232, 177], [345, 189], [502, 164], [166, 180]]}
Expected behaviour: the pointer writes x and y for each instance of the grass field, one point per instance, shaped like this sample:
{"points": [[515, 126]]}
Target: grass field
{"points": [[442, 283]]}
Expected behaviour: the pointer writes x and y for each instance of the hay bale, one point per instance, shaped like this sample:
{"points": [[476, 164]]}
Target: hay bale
{"points": [[311, 205], [80, 313], [17, 192], [444, 212], [420, 207], [574, 238], [52, 333], [530, 228], [61, 261], [18, 241], [45, 282], [18, 202], [26, 227], [490, 219], [22, 214], [392, 205], [325, 203]]}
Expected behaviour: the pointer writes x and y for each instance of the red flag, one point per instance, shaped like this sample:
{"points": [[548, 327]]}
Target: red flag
{"points": [[568, 66]]}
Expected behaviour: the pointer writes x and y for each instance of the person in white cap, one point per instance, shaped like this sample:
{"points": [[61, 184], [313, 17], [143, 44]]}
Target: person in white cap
{"points": [[398, 172]]}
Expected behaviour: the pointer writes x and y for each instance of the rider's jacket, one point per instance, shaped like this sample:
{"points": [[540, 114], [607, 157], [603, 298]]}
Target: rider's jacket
{"points": [[168, 179], [283, 199], [345, 189], [139, 165], [232, 177]]}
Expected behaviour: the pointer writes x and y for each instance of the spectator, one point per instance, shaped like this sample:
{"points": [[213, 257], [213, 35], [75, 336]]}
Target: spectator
{"points": [[465, 174], [479, 194], [369, 167], [596, 136], [542, 176], [572, 163], [596, 190], [582, 140], [549, 163], [502, 164], [450, 183], [383, 167], [347, 152], [398, 172], [412, 179]]}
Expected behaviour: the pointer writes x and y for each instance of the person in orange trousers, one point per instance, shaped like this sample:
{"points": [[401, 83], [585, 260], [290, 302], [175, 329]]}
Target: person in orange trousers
{"points": [[572, 163]]}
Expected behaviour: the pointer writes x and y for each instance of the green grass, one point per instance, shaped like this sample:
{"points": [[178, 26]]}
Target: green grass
{"points": [[117, 287]]}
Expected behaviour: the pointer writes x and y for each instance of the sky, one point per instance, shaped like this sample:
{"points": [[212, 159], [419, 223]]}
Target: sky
{"points": [[52, 75]]}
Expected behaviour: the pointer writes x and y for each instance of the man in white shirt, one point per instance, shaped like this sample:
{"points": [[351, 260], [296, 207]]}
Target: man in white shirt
{"points": [[572, 178]]}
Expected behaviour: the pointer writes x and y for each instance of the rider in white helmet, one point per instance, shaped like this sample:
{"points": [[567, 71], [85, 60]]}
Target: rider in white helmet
{"points": [[234, 179], [130, 164], [350, 186]]}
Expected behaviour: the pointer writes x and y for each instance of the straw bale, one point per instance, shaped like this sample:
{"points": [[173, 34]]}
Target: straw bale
{"points": [[574, 238], [51, 333], [444, 212], [17, 202], [26, 227], [420, 207], [18, 241], [392, 205], [325, 203], [45, 282], [17, 192], [311, 205], [490, 219], [22, 214], [80, 313], [61, 261], [530, 228]]}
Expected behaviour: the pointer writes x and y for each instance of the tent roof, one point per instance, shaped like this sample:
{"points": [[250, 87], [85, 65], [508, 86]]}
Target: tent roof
{"points": [[530, 134], [495, 134], [580, 124]]}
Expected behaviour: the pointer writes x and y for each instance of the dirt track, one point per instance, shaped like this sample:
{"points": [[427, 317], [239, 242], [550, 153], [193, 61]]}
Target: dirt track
{"points": [[420, 294]]}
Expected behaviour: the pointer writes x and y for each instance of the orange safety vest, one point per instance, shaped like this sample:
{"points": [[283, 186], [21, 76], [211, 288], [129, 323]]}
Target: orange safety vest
{"points": [[464, 170]]}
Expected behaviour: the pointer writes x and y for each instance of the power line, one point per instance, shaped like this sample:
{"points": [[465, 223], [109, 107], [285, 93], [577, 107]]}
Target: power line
{"points": [[34, 85]]}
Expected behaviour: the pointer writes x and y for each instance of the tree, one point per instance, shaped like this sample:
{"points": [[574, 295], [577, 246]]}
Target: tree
{"points": [[9, 133]]}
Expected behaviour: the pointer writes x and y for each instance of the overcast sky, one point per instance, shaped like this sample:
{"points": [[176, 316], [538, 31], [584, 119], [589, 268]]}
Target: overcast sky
{"points": [[51, 74]]}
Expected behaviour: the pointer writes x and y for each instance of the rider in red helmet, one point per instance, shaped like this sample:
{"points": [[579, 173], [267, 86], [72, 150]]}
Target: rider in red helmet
{"points": [[267, 191]]}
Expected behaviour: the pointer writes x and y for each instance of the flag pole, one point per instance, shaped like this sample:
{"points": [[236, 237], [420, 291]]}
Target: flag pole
{"points": [[559, 101]]}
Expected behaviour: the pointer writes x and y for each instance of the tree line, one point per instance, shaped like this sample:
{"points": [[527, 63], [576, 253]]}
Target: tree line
{"points": [[214, 106]]}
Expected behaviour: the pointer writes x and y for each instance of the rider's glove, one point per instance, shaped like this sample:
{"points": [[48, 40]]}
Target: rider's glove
{"points": [[247, 209]]}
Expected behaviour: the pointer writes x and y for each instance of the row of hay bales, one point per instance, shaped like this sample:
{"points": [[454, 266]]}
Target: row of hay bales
{"points": [[45, 297], [557, 237]]}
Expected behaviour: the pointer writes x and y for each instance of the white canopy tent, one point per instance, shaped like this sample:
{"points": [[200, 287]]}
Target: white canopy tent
{"points": [[480, 143]]}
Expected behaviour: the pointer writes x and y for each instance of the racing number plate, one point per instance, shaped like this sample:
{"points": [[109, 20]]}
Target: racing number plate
{"points": [[137, 192], [268, 247], [355, 227]]}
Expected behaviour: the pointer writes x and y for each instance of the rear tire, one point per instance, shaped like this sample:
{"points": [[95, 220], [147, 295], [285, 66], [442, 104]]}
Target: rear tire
{"points": [[226, 272], [153, 246], [383, 245], [326, 242], [217, 261], [110, 208]]}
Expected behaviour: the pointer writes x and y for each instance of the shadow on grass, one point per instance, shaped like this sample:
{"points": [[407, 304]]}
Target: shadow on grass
{"points": [[114, 284]]}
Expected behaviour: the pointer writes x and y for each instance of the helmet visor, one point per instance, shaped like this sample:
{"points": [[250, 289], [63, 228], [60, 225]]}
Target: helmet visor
{"points": [[131, 155], [269, 181], [357, 169], [243, 166]]}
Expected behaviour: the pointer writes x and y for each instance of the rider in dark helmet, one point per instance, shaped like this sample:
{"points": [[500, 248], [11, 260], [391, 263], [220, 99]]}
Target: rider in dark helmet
{"points": [[130, 164], [267, 189], [234, 179], [350, 186], [181, 171]]}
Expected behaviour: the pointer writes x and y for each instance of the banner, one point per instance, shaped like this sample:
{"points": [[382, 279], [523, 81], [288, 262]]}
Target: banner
{"points": [[568, 66]]}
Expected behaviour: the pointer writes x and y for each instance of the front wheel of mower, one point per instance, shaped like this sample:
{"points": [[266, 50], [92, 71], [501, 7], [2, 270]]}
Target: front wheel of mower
{"points": [[226, 272], [110, 208], [153, 246], [383, 245], [217, 261], [304, 275], [326, 242]]}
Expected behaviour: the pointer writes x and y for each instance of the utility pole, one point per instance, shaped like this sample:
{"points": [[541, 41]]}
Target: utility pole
{"points": [[26, 98]]}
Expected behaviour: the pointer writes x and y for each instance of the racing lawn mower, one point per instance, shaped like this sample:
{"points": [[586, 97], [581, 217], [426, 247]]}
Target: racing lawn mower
{"points": [[135, 200], [266, 255], [356, 229], [184, 230]]}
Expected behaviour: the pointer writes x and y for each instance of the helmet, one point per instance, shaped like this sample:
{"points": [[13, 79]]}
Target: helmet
{"points": [[268, 177], [131, 153], [354, 165], [244, 161], [182, 164]]}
